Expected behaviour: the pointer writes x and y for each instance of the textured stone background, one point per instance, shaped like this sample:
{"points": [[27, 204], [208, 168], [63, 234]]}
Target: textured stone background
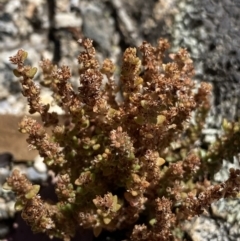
{"points": [[209, 29]]}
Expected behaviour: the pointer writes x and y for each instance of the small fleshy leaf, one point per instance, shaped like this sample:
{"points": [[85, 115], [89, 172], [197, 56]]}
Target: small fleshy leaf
{"points": [[16, 73], [6, 187], [138, 81], [96, 147], [160, 161], [19, 205], [115, 206], [31, 72], [160, 119], [24, 55], [139, 120], [144, 104], [152, 221], [97, 231], [107, 220], [33, 192], [85, 123]]}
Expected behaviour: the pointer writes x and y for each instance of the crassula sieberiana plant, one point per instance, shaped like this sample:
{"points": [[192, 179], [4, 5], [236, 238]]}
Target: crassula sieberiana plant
{"points": [[130, 163]]}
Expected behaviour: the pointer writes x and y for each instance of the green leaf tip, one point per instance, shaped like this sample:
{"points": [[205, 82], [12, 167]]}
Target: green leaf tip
{"points": [[32, 192], [30, 73]]}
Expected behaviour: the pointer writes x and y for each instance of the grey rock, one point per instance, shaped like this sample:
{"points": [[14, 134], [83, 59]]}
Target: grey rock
{"points": [[204, 228], [64, 20], [7, 27], [74, 3], [4, 173], [36, 176], [97, 25], [7, 210], [208, 30], [223, 173]]}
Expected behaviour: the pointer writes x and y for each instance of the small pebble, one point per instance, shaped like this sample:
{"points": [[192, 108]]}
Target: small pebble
{"points": [[35, 176], [39, 165]]}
